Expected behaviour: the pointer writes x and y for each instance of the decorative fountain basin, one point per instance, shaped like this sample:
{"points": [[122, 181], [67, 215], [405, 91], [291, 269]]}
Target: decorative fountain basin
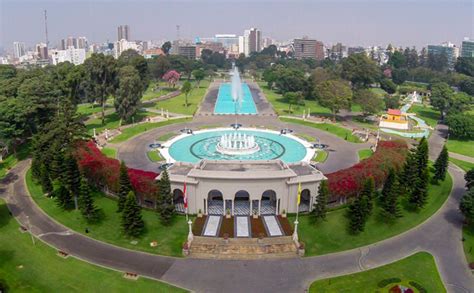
{"points": [[237, 144]]}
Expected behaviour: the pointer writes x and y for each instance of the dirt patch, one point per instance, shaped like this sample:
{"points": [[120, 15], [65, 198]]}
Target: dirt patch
{"points": [[286, 226], [227, 227], [258, 227], [198, 225]]}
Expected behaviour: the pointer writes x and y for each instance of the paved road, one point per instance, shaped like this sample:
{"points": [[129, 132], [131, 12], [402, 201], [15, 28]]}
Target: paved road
{"points": [[342, 154]]}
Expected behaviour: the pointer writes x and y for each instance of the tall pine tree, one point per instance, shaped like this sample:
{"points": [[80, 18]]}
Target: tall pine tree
{"points": [[86, 203], [124, 186], [422, 155], [356, 215], [390, 197], [63, 198], [441, 164], [419, 195], [319, 208], [410, 172], [367, 194], [45, 180], [165, 205], [132, 222], [72, 177]]}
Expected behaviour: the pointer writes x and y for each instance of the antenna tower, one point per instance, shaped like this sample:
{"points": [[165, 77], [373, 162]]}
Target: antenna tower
{"points": [[46, 27]]}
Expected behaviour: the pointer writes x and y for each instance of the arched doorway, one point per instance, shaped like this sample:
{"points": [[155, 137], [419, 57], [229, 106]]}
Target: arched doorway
{"points": [[215, 202], [305, 201], [178, 200], [242, 203], [269, 202]]}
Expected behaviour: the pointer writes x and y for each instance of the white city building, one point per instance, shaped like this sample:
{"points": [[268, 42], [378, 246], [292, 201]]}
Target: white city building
{"points": [[18, 49], [124, 45], [72, 55]]}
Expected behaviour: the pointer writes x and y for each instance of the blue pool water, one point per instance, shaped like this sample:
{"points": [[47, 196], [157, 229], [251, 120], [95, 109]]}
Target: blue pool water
{"points": [[225, 104], [202, 145]]}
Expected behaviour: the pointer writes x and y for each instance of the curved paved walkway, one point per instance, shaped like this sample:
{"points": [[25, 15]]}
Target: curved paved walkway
{"points": [[440, 235], [133, 151]]}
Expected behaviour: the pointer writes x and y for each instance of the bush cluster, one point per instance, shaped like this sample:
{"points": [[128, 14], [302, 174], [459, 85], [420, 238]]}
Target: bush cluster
{"points": [[383, 283]]}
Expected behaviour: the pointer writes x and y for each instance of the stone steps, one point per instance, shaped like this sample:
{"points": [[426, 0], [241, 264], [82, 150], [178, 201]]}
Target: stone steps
{"points": [[243, 248]]}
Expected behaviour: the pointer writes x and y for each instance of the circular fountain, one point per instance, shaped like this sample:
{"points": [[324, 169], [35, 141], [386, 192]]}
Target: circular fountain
{"points": [[237, 143]]}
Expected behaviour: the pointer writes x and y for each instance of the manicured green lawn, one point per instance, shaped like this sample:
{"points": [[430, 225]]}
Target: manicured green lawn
{"points": [[430, 115], [150, 93], [380, 92], [468, 243], [463, 147], [280, 104], [112, 121], [332, 235], [11, 160], [90, 108], [170, 239], [25, 267], [420, 268], [129, 132], [176, 104], [466, 166], [154, 156], [364, 154], [110, 152], [320, 156], [331, 128]]}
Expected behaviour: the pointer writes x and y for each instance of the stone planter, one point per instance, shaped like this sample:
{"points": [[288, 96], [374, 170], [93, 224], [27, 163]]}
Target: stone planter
{"points": [[185, 250], [255, 216], [301, 252], [227, 216], [283, 215], [199, 215]]}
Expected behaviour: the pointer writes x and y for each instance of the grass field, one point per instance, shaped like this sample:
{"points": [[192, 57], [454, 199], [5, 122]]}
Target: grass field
{"points": [[90, 108], [419, 267], [430, 115], [463, 147], [109, 152], [380, 92], [320, 156], [11, 160], [154, 156], [332, 235], [151, 93], [25, 267], [466, 166], [112, 121], [280, 104], [468, 243], [129, 132], [331, 128], [108, 229], [364, 154], [176, 104]]}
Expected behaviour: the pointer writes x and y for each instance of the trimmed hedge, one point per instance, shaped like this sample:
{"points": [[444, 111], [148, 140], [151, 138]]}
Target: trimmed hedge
{"points": [[417, 286], [383, 283]]}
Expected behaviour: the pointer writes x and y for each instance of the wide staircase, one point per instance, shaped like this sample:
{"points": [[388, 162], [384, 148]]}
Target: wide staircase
{"points": [[243, 248]]}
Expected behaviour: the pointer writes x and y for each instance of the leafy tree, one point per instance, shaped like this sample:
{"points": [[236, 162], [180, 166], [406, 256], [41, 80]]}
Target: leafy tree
{"points": [[45, 181], [441, 164], [360, 70], [290, 79], [186, 89], [72, 177], [390, 197], [124, 186], [335, 95], [132, 222], [293, 98], [392, 101], [370, 102], [411, 57], [467, 86], [320, 206], [63, 198], [465, 65], [469, 178], [397, 60], [441, 97], [165, 205], [437, 61], [129, 93], [388, 86], [467, 205], [461, 125], [131, 57], [100, 83], [7, 71], [86, 203], [166, 47], [158, 66], [199, 75], [399, 76], [171, 77]]}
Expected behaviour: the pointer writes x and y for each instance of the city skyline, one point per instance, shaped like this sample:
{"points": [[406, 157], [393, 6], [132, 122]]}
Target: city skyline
{"points": [[322, 20]]}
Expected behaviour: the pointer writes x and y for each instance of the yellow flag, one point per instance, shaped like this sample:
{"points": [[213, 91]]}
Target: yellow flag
{"points": [[299, 194]]}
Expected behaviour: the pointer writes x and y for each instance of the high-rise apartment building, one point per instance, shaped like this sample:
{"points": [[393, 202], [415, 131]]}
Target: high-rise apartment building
{"points": [[18, 49], [250, 42], [123, 32], [81, 43], [42, 51], [451, 51], [308, 48], [467, 48]]}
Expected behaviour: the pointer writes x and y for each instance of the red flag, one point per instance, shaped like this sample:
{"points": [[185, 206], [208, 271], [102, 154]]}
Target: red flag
{"points": [[185, 196]]}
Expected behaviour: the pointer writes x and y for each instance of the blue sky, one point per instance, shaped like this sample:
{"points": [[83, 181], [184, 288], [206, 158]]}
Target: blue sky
{"points": [[351, 22]]}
